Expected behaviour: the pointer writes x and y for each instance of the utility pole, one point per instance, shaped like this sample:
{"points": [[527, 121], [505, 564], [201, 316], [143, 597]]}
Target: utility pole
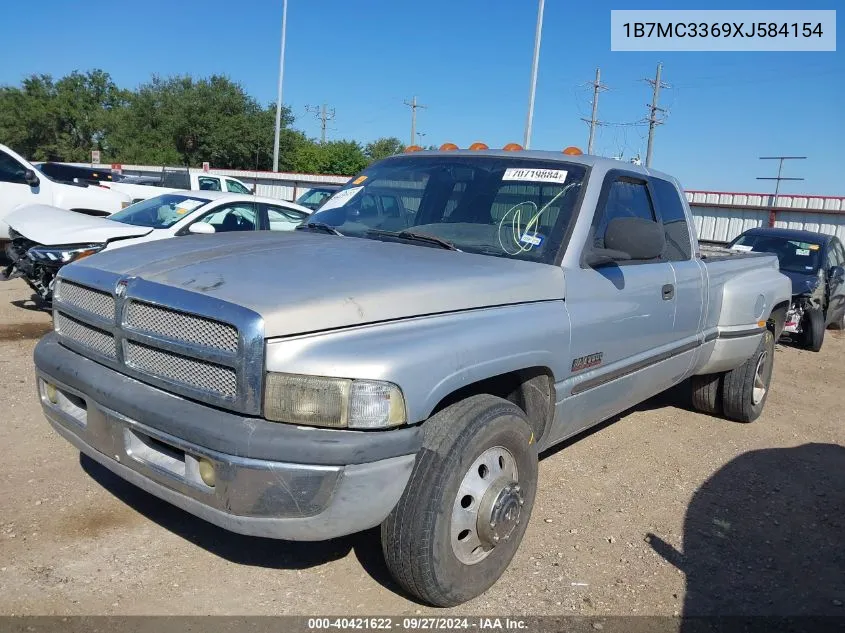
{"points": [[653, 121], [537, 35], [279, 96], [324, 115], [777, 180], [414, 105], [597, 88]]}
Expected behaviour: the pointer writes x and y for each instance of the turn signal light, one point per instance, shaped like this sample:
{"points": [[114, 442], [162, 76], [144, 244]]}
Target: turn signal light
{"points": [[448, 147], [572, 151], [478, 145], [512, 147]]}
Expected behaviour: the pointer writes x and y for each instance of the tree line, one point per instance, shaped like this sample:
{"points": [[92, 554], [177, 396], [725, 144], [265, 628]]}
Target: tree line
{"points": [[167, 121]]}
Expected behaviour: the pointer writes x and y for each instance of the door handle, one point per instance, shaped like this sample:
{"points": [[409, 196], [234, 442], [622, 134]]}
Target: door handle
{"points": [[668, 292]]}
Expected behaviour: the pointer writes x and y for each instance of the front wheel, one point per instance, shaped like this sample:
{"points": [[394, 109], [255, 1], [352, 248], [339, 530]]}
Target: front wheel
{"points": [[465, 509], [812, 336], [745, 389]]}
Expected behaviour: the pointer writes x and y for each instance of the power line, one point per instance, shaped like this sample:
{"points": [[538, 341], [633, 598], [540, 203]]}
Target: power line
{"points": [[323, 115], [653, 121], [597, 88], [778, 178], [414, 105]]}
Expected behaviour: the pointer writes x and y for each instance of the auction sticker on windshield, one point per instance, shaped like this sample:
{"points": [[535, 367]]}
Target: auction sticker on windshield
{"points": [[535, 175], [188, 205], [341, 198]]}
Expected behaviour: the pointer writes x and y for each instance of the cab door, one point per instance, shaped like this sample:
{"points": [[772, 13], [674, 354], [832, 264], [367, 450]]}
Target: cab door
{"points": [[622, 314]]}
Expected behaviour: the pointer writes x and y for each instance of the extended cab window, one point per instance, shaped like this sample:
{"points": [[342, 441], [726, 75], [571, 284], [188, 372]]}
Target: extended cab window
{"points": [[678, 246], [626, 198], [11, 170]]}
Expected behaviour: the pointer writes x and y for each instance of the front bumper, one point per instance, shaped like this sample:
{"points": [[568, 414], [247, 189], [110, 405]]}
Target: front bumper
{"points": [[156, 440]]}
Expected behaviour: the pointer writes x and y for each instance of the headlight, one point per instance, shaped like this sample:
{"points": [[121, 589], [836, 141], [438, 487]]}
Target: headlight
{"points": [[333, 402], [63, 254]]}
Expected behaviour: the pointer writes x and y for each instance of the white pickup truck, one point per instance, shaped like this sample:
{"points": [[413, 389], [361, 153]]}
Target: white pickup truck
{"points": [[21, 185], [179, 180]]}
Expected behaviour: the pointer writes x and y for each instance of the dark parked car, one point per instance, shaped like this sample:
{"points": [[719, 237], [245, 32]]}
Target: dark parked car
{"points": [[815, 262], [74, 173]]}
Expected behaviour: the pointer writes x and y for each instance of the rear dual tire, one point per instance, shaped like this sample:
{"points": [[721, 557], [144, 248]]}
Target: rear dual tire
{"points": [[739, 394]]}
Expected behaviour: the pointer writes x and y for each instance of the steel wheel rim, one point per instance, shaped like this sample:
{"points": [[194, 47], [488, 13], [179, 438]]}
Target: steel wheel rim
{"points": [[493, 475], [758, 391]]}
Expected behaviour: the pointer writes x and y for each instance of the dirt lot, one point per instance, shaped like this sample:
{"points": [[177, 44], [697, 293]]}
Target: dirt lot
{"points": [[663, 511]]}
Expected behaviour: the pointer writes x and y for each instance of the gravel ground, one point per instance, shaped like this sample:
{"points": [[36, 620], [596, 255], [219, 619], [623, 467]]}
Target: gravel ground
{"points": [[661, 512]]}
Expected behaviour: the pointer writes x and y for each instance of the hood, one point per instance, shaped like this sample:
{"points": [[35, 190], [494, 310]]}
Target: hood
{"points": [[802, 283], [305, 282], [50, 225]]}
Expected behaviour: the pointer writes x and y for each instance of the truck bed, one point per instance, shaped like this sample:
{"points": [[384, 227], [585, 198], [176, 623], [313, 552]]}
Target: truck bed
{"points": [[711, 253]]}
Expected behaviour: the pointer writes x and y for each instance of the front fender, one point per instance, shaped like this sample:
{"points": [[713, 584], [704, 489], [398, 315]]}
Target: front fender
{"points": [[431, 357]]}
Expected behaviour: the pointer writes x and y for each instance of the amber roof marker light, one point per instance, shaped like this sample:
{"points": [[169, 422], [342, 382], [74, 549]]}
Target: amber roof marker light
{"points": [[448, 147], [572, 151], [512, 147], [478, 145], [413, 148]]}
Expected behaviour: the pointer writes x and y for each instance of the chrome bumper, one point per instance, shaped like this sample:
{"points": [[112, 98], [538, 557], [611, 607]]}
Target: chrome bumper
{"points": [[249, 496]]}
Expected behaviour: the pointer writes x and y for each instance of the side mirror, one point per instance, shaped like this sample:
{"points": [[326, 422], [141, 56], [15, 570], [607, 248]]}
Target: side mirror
{"points": [[836, 274], [637, 237], [31, 178], [201, 228]]}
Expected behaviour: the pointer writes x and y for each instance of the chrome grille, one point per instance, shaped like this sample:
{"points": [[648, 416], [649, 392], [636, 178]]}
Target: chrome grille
{"points": [[217, 379], [146, 317], [83, 334], [211, 352], [87, 299]]}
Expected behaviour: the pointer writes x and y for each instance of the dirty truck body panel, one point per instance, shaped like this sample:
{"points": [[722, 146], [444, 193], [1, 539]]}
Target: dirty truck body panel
{"points": [[164, 354]]}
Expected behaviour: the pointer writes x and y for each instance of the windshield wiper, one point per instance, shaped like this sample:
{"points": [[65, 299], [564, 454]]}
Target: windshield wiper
{"points": [[413, 236], [319, 226]]}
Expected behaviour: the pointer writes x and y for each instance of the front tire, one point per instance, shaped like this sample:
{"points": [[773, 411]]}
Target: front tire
{"points": [[467, 504], [745, 389], [813, 330]]}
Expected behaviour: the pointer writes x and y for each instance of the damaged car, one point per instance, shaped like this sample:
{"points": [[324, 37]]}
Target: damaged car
{"points": [[815, 263], [44, 238]]}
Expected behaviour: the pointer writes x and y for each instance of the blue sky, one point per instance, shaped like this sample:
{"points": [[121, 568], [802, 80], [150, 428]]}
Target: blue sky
{"points": [[469, 62]]}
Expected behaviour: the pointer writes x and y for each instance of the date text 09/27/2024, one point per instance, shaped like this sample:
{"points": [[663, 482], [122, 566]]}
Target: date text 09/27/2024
{"points": [[421, 623]]}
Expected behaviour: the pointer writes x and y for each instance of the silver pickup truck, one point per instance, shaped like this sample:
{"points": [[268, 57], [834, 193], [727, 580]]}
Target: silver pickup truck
{"points": [[403, 365]]}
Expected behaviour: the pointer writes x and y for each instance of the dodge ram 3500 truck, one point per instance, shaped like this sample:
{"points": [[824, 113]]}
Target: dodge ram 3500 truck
{"points": [[403, 367]]}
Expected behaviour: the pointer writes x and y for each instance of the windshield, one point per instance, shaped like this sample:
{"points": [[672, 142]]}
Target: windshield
{"points": [[160, 212], [794, 256], [507, 207]]}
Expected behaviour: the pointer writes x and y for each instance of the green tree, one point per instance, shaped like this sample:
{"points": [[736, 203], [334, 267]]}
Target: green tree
{"points": [[64, 120], [383, 147], [186, 121]]}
